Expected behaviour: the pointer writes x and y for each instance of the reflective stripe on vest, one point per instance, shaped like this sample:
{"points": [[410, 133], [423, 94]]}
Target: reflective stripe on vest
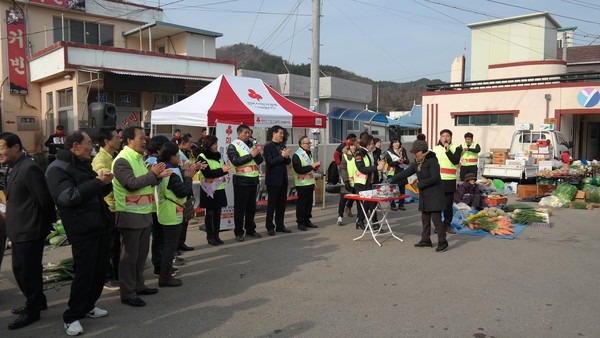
{"points": [[360, 178], [169, 213], [213, 165], [249, 169], [468, 158], [301, 180], [447, 168], [139, 201]]}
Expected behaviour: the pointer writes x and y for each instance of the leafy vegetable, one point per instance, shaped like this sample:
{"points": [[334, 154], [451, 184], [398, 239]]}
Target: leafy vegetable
{"points": [[566, 191]]}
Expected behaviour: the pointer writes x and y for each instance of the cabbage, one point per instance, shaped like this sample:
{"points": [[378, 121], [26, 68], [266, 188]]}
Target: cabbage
{"points": [[566, 191]]}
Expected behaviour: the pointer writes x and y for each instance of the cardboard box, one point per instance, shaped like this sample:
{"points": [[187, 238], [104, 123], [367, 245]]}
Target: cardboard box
{"points": [[533, 147], [543, 150], [515, 162], [544, 164], [579, 196], [534, 190], [498, 161], [499, 150]]}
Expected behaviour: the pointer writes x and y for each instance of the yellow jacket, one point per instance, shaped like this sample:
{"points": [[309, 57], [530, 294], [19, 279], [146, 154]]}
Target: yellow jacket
{"points": [[103, 161]]}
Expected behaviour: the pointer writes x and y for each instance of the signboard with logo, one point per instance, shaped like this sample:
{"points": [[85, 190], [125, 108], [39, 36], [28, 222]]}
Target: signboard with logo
{"points": [[226, 134], [588, 97], [16, 41]]}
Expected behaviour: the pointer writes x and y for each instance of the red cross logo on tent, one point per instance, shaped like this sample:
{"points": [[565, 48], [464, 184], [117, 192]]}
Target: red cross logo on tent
{"points": [[254, 95], [258, 119], [229, 131]]}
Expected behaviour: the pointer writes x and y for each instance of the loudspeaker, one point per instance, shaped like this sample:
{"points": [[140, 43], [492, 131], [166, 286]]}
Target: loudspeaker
{"points": [[394, 132], [101, 115]]}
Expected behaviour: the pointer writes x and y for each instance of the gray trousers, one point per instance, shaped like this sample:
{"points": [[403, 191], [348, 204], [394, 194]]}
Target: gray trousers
{"points": [[135, 244]]}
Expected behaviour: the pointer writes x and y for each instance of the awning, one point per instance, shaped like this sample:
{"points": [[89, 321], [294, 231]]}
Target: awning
{"points": [[357, 115], [237, 100]]}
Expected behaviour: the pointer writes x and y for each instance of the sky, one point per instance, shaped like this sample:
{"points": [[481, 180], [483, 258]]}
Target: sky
{"points": [[384, 40]]}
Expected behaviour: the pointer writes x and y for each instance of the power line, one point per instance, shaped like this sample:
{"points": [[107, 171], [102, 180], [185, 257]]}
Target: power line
{"points": [[535, 10]]}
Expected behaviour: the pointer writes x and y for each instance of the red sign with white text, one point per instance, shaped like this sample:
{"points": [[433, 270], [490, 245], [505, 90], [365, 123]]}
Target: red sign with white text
{"points": [[78, 5], [16, 40]]}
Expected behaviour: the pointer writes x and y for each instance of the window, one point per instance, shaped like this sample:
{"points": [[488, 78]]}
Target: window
{"points": [[89, 33], [65, 97], [485, 120], [352, 125], [50, 113], [161, 49]]}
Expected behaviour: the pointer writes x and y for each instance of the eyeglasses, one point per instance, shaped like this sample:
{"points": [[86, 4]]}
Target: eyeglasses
{"points": [[306, 142]]}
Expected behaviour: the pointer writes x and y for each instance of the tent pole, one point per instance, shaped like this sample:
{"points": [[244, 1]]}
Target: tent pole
{"points": [[324, 165]]}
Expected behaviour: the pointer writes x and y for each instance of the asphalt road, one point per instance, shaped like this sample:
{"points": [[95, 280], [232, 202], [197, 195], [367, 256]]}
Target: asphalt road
{"points": [[321, 283]]}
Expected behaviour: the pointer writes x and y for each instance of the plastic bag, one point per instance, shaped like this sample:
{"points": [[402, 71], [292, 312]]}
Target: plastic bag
{"points": [[552, 201], [460, 215], [460, 206], [566, 192]]}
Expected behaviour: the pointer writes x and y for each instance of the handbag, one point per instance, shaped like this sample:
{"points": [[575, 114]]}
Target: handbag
{"points": [[189, 211]]}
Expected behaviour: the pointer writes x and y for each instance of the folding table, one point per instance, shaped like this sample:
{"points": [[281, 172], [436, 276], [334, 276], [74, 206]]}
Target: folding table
{"points": [[368, 218]]}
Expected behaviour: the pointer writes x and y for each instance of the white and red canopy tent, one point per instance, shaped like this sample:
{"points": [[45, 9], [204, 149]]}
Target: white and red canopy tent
{"points": [[237, 100]]}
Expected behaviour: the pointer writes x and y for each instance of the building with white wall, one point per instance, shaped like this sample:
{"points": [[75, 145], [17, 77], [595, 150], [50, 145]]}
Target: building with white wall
{"points": [[520, 80]]}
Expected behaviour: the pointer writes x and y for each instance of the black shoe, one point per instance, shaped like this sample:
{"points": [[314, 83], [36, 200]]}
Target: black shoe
{"points": [[301, 227], [271, 232], [219, 240], [24, 319], [184, 247], [177, 253], [442, 246], [147, 292], [360, 225], [174, 271], [424, 244], [394, 208], [310, 225], [135, 302], [239, 238], [213, 241], [254, 234], [283, 229], [450, 231], [20, 310], [401, 208]]}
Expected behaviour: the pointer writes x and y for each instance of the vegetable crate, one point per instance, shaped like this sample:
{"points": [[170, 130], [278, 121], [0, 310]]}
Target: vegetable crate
{"points": [[494, 202]]}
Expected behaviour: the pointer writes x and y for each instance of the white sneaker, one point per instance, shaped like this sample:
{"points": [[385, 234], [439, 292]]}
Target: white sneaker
{"points": [[74, 329], [340, 220], [97, 313]]}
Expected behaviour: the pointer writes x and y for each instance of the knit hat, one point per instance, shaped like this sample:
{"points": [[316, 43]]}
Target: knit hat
{"points": [[419, 144], [470, 176]]}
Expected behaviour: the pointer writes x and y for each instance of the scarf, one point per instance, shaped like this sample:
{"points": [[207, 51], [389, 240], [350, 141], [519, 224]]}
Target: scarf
{"points": [[421, 159]]}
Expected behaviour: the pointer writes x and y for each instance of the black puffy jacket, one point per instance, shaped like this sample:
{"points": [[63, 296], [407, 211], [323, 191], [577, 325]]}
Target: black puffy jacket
{"points": [[79, 196]]}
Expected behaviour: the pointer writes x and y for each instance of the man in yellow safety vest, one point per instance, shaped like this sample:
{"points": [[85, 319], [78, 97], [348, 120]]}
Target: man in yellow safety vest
{"points": [[448, 155], [468, 159]]}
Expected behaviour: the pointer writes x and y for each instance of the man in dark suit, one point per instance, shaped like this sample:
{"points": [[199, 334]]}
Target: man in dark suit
{"points": [[29, 216], [277, 157]]}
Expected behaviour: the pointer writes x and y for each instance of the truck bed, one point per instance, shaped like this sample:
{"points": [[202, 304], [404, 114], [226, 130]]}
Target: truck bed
{"points": [[516, 172]]}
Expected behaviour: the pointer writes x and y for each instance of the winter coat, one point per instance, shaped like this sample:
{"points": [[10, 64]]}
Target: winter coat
{"points": [[79, 196], [429, 185], [220, 198]]}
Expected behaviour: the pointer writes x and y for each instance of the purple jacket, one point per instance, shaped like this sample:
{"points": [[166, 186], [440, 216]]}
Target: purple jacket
{"points": [[463, 189]]}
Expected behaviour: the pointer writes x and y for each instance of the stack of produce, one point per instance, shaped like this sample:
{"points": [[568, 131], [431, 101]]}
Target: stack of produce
{"points": [[64, 270], [528, 216], [566, 192], [492, 220]]}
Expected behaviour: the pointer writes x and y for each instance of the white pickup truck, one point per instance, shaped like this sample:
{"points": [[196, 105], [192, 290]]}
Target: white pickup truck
{"points": [[521, 141]]}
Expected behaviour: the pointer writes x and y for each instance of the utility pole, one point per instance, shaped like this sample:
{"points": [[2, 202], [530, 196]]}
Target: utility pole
{"points": [[314, 62]]}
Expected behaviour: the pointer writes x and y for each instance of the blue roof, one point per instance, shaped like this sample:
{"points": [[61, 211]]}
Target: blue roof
{"points": [[393, 122], [415, 116], [357, 115]]}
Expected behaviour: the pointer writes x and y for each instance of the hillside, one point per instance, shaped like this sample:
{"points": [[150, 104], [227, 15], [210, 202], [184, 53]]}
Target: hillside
{"points": [[392, 95]]}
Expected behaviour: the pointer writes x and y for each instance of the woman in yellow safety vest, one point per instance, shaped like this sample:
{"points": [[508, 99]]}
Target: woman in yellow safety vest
{"points": [[347, 170], [397, 160], [172, 194], [213, 180], [367, 170]]}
